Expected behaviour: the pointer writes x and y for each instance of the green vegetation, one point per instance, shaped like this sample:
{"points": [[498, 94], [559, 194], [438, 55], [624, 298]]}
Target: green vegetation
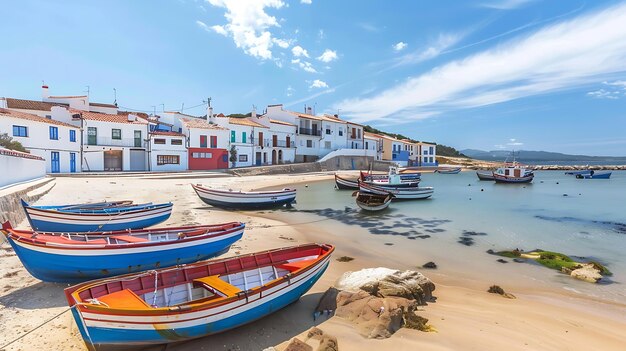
{"points": [[240, 115], [442, 150], [233, 155], [8, 143], [553, 260]]}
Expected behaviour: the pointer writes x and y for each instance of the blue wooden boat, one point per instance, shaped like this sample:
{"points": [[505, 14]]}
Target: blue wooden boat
{"points": [[594, 175], [585, 171], [71, 258], [231, 199], [186, 302], [86, 219]]}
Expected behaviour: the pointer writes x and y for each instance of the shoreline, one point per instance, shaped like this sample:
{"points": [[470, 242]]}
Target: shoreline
{"points": [[465, 315]]}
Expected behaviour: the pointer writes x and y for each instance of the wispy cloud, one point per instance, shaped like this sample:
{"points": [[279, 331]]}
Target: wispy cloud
{"points": [[505, 4], [304, 65], [561, 56], [289, 91], [310, 97], [369, 27], [400, 46], [248, 25], [328, 56], [514, 142], [308, 2], [298, 51], [612, 91]]}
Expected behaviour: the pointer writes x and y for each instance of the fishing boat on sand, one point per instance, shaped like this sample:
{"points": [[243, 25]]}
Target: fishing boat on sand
{"points": [[66, 257], [399, 193], [372, 202], [237, 199], [86, 218], [186, 302], [594, 175], [485, 175], [346, 184]]}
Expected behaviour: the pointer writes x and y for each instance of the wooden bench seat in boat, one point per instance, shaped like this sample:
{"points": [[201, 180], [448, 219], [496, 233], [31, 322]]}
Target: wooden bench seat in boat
{"points": [[296, 265], [124, 299], [213, 282], [130, 238]]}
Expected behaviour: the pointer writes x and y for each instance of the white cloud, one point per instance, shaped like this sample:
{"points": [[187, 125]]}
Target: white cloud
{"points": [[202, 25], [289, 91], [298, 51], [400, 46], [604, 94], [308, 2], [443, 42], [505, 4], [617, 83], [318, 84], [320, 34], [328, 56], [562, 56], [514, 142], [369, 27], [306, 66], [248, 24], [281, 42]]}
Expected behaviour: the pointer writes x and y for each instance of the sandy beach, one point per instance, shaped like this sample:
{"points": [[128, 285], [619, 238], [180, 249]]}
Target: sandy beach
{"points": [[465, 316]]}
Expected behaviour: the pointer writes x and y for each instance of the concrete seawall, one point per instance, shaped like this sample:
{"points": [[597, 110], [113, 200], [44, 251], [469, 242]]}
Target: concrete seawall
{"points": [[10, 207]]}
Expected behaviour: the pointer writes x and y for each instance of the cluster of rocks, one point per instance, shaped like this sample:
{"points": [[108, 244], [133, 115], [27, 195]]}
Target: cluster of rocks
{"points": [[588, 272], [380, 301], [579, 168], [315, 340]]}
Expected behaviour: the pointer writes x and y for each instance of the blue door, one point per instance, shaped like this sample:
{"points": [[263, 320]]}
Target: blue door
{"points": [[56, 164], [72, 162]]}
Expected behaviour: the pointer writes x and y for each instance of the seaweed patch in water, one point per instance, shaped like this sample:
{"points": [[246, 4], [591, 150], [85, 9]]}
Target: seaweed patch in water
{"points": [[465, 240], [617, 227]]}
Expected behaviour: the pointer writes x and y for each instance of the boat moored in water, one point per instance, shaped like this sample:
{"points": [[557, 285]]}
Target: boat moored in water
{"points": [[191, 301], [372, 202], [85, 218], [485, 175], [513, 173], [594, 175], [448, 170], [236, 199], [77, 257], [346, 184], [399, 193], [392, 179]]}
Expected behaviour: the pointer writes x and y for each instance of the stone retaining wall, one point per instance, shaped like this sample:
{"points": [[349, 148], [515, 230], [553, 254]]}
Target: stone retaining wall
{"points": [[10, 207], [334, 164]]}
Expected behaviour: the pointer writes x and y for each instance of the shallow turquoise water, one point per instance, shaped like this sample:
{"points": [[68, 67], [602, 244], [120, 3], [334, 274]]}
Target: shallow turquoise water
{"points": [[590, 221]]}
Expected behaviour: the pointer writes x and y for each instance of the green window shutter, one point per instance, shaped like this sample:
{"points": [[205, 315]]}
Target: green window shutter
{"points": [[243, 137], [232, 136]]}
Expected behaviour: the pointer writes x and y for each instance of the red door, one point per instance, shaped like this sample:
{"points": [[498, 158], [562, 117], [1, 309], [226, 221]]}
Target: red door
{"points": [[260, 138], [275, 140], [288, 141]]}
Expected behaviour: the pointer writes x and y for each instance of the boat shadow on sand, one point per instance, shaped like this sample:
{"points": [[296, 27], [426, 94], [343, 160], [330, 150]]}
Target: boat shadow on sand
{"points": [[36, 296]]}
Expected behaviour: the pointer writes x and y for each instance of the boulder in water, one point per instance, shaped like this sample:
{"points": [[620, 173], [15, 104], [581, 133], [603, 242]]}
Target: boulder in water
{"points": [[588, 272]]}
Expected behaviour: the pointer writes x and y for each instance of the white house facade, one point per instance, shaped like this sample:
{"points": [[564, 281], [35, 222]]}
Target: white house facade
{"points": [[56, 141], [168, 151], [207, 144]]}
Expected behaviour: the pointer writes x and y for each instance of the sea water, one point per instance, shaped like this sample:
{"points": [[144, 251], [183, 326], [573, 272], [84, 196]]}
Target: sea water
{"points": [[466, 217]]}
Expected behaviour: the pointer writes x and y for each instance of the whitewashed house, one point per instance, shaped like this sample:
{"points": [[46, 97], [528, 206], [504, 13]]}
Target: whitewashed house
{"points": [[356, 136], [54, 140], [168, 151], [427, 154], [278, 141], [111, 142], [373, 143], [247, 137]]}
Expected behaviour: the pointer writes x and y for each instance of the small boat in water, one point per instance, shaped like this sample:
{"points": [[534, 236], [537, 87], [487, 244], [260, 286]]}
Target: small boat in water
{"points": [[233, 199], [66, 257], [584, 171], [372, 202], [346, 184], [392, 179], [95, 217], [455, 170], [485, 175], [399, 193], [513, 174], [191, 301], [594, 175]]}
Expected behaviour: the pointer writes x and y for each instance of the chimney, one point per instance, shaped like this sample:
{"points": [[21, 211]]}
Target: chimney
{"points": [[132, 118], [253, 114], [44, 92], [210, 117], [309, 110]]}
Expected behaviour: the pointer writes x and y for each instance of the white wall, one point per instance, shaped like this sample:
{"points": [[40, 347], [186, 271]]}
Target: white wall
{"points": [[168, 149], [22, 169], [38, 141]]}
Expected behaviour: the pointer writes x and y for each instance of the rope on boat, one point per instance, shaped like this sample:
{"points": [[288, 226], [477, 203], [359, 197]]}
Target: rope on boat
{"points": [[35, 328]]}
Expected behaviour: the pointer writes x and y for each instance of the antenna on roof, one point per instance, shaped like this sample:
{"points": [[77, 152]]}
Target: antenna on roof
{"points": [[114, 96], [182, 107], [87, 91], [154, 110], [162, 107], [314, 107]]}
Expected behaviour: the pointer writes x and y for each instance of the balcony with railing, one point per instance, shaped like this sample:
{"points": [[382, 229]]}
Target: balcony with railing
{"points": [[309, 131], [354, 136], [123, 142]]}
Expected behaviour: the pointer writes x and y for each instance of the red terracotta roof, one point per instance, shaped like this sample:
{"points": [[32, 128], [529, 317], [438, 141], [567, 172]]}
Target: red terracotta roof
{"points": [[166, 133], [275, 121], [199, 123], [14, 153], [31, 104], [35, 118], [105, 117], [245, 122], [140, 114]]}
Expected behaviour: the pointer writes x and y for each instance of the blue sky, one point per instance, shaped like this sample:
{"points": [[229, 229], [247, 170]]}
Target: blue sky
{"points": [[523, 74]]}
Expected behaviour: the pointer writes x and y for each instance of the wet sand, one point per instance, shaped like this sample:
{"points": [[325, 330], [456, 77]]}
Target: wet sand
{"points": [[465, 316]]}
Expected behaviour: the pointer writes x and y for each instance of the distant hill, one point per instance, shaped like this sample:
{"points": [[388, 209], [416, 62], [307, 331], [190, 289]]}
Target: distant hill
{"points": [[537, 156]]}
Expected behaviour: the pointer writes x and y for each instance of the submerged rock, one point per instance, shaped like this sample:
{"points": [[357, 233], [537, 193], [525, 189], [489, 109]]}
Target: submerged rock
{"points": [[588, 272], [496, 289]]}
